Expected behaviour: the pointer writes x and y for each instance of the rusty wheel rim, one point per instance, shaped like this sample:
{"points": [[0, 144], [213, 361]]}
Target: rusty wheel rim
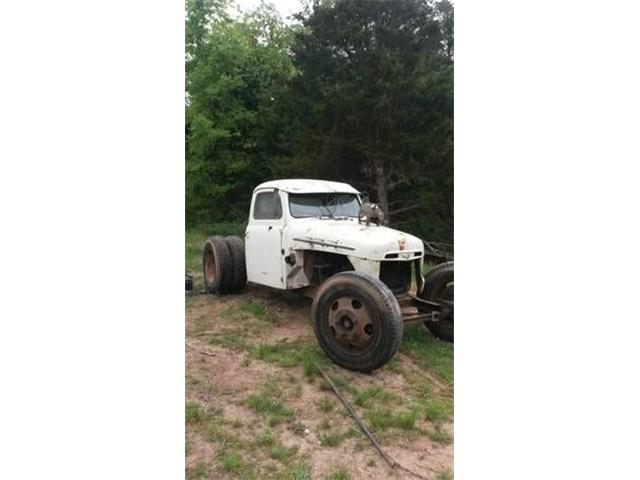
{"points": [[209, 265], [350, 323]]}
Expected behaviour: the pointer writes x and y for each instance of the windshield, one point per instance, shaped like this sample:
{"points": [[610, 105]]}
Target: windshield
{"points": [[324, 205]]}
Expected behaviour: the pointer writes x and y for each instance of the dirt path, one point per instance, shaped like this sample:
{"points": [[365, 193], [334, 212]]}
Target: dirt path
{"points": [[256, 409]]}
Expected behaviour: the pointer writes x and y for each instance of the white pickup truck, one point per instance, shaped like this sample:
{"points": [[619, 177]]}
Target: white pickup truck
{"points": [[319, 238]]}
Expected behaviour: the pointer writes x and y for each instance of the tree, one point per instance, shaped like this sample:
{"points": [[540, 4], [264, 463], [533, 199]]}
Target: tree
{"points": [[374, 98], [236, 72]]}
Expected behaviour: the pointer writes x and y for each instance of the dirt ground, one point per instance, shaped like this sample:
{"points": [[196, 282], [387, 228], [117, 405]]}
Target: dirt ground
{"points": [[257, 408]]}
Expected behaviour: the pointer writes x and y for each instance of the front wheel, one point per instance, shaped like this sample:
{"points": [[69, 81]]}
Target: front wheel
{"points": [[438, 287], [357, 321]]}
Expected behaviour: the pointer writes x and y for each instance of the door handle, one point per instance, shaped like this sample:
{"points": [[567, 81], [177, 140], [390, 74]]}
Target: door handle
{"points": [[270, 227]]}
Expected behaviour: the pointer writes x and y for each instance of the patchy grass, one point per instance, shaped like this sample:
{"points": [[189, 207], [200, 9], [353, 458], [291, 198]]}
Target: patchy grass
{"points": [[290, 354], [282, 454], [332, 439], [298, 428], [438, 435], [445, 475], [234, 340], [437, 409], [266, 439], [384, 418], [364, 397], [199, 471], [193, 413], [339, 473], [430, 353], [326, 404], [298, 471], [230, 460], [269, 404]]}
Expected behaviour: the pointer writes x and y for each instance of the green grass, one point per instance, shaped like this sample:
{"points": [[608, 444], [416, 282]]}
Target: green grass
{"points": [[430, 353], [282, 454], [230, 460], [266, 439], [365, 397], [246, 309], [384, 418], [437, 409], [290, 354], [297, 471], [193, 413], [438, 435], [199, 471], [326, 404], [332, 439], [275, 411], [445, 475], [339, 473], [233, 340]]}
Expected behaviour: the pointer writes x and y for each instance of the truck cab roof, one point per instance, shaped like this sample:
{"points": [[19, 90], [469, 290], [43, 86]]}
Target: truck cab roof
{"points": [[302, 185]]}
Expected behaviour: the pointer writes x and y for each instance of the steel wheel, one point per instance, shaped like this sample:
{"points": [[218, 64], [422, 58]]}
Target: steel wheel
{"points": [[357, 321], [351, 323]]}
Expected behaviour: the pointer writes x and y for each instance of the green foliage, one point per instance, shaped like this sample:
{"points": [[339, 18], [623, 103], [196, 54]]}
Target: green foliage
{"points": [[354, 91]]}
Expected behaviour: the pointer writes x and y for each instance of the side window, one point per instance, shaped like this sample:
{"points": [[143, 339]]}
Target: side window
{"points": [[267, 206]]}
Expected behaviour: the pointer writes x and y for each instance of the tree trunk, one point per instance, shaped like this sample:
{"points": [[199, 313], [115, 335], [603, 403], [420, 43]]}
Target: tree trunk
{"points": [[381, 188]]}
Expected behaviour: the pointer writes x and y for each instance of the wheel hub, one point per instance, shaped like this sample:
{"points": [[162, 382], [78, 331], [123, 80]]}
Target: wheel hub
{"points": [[350, 323]]}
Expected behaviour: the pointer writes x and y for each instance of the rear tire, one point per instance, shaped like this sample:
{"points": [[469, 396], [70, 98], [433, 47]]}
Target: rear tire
{"points": [[217, 265], [438, 286], [239, 267], [357, 321]]}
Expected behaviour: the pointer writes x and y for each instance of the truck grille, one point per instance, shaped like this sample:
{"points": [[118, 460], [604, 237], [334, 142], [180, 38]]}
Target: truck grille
{"points": [[396, 275]]}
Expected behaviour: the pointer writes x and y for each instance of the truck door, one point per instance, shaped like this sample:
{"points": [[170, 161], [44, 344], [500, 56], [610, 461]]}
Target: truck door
{"points": [[263, 239]]}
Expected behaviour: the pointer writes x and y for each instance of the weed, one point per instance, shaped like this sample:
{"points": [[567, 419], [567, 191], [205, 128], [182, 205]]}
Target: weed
{"points": [[339, 473], [266, 439], [298, 428], [237, 423]]}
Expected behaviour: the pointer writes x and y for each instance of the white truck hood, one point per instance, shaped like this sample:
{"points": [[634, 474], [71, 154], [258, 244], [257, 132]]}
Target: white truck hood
{"points": [[351, 238]]}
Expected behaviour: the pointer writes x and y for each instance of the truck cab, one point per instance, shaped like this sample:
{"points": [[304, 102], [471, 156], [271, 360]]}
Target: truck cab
{"points": [[301, 232]]}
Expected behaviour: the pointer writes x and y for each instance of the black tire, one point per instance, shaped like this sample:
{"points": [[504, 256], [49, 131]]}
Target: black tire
{"points": [[217, 265], [239, 267], [438, 286], [357, 321]]}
